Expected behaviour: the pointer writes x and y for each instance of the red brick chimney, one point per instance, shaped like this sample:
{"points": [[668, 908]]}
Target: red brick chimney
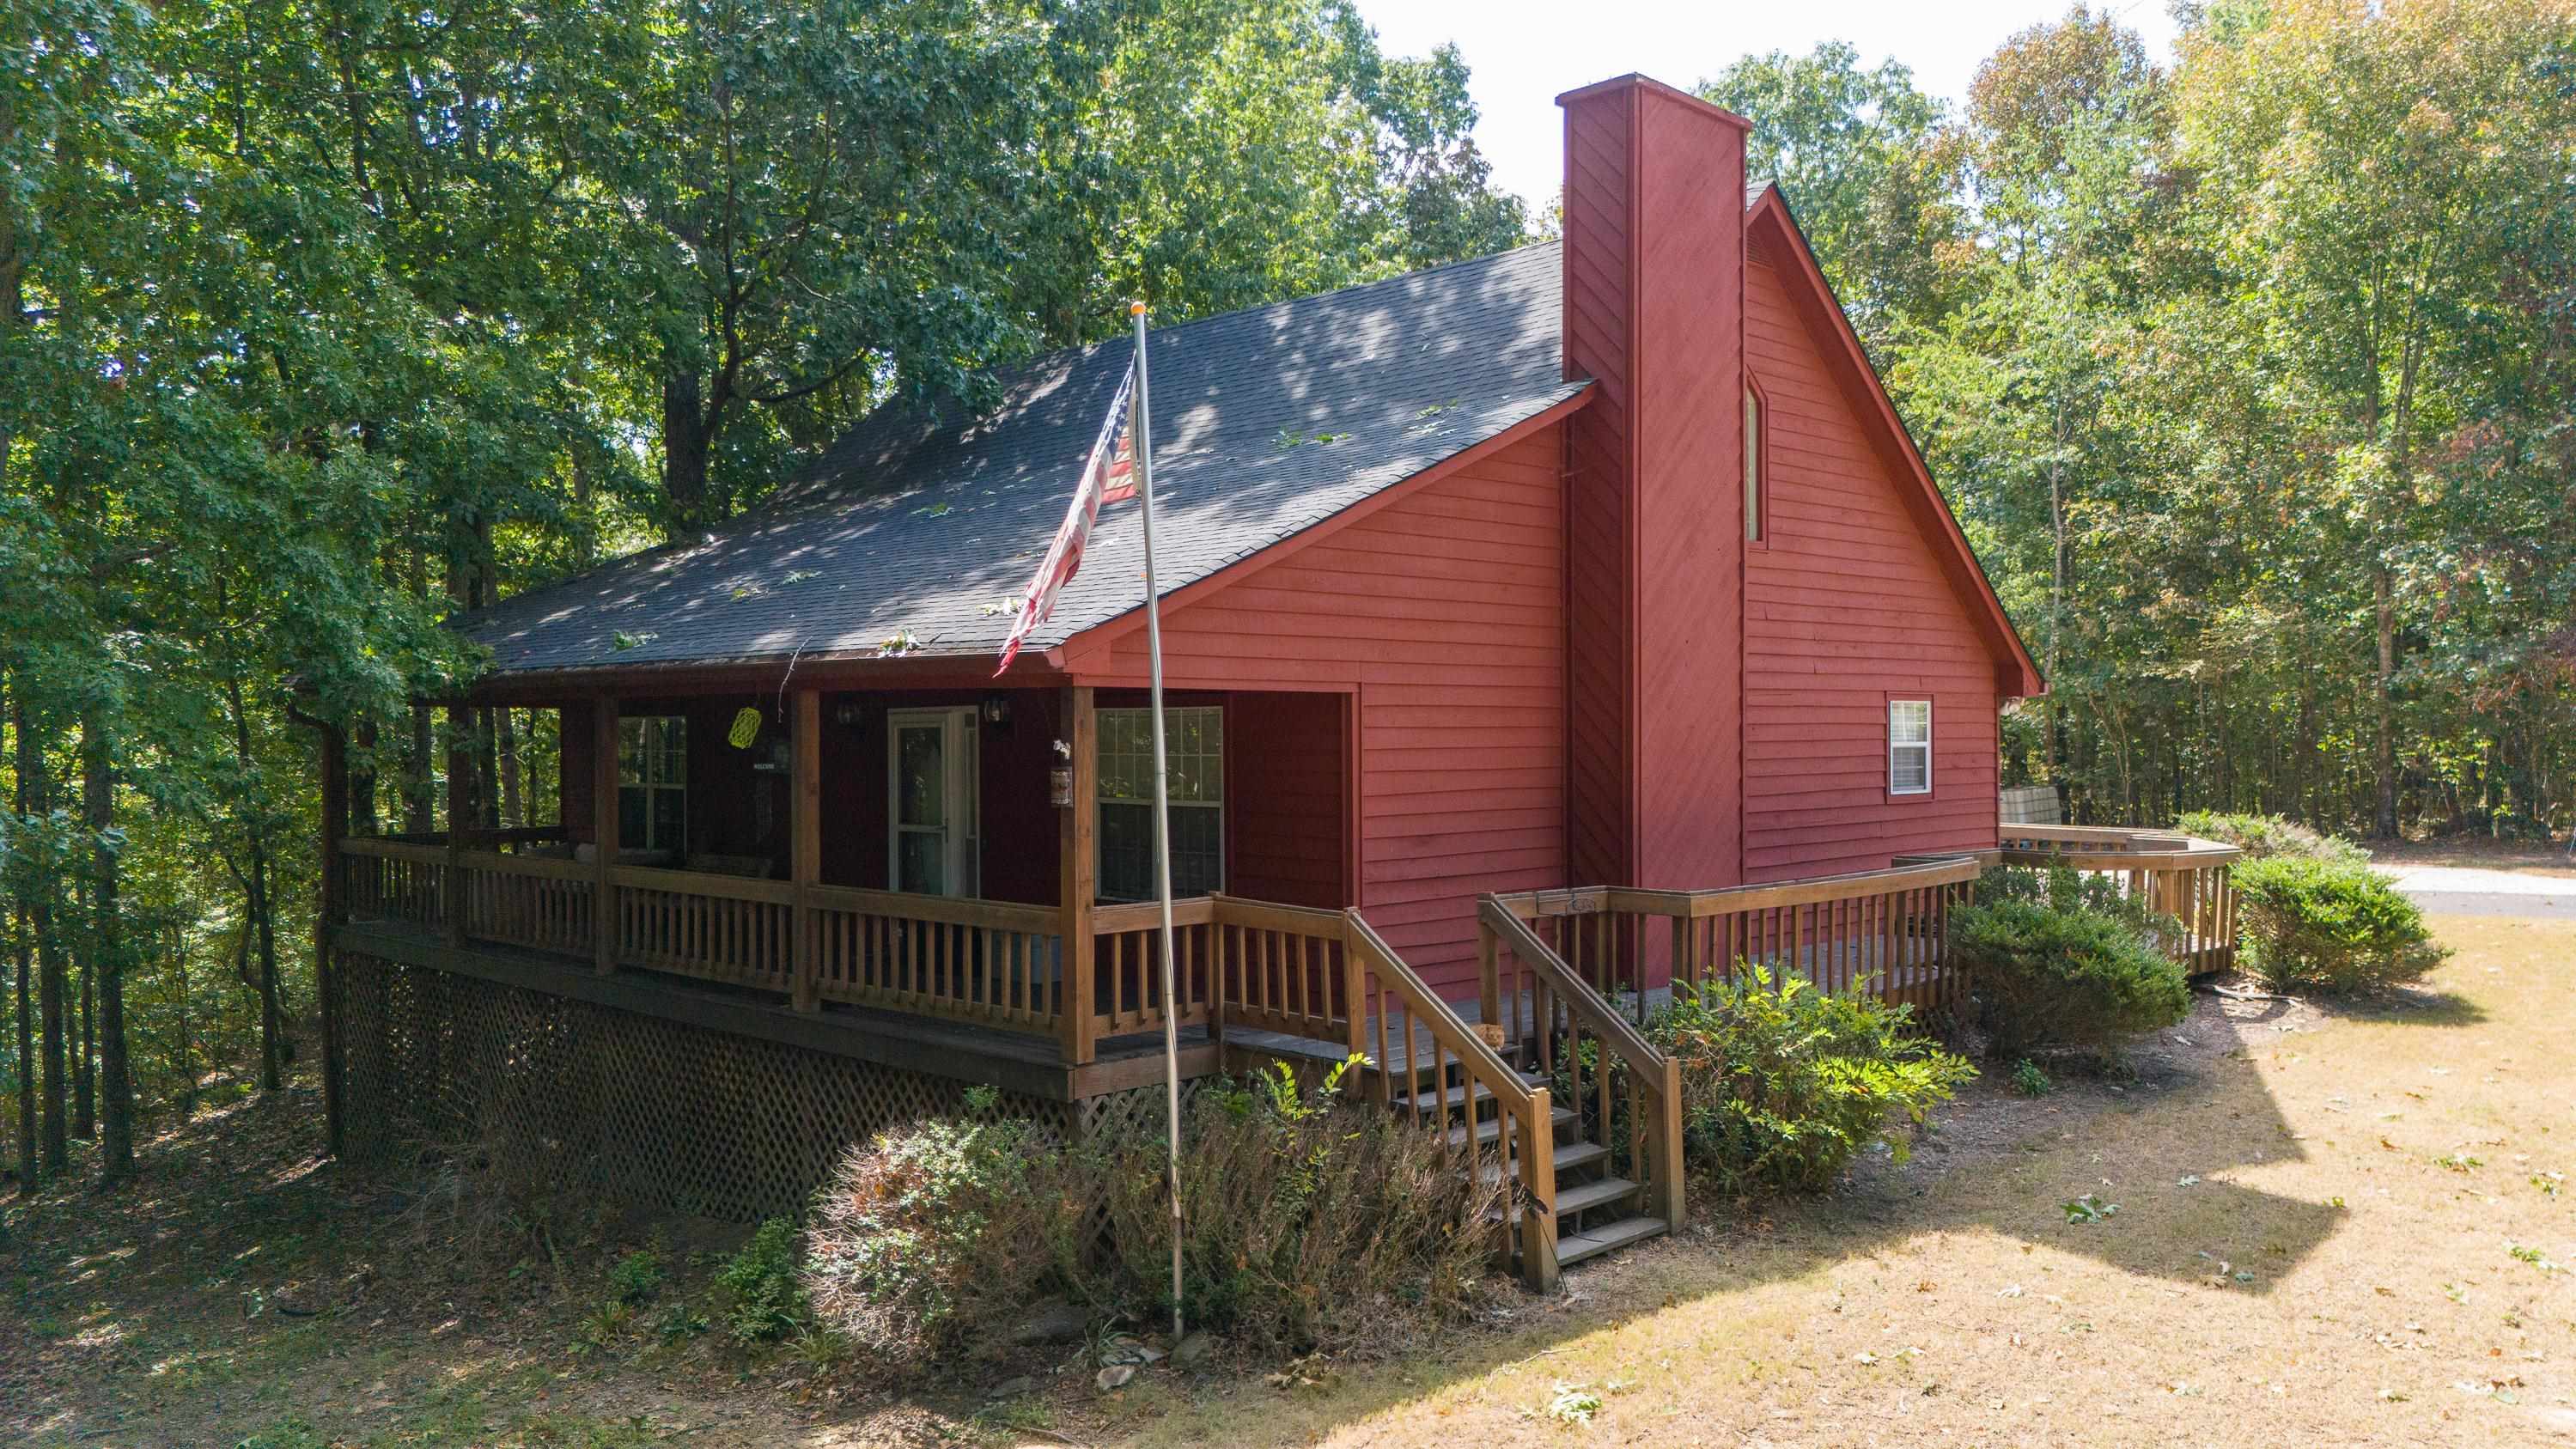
{"points": [[1654, 314]]}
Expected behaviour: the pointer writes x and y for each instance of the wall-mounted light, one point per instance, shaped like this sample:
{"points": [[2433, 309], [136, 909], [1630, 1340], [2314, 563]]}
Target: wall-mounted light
{"points": [[997, 711], [846, 714]]}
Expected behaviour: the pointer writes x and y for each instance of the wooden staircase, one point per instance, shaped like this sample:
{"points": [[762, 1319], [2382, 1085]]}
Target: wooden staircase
{"points": [[1596, 1209]]}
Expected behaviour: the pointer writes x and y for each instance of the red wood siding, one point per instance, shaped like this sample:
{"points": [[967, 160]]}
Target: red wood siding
{"points": [[1600, 325], [1689, 525], [1284, 797], [1018, 825], [1847, 605], [1442, 613]]}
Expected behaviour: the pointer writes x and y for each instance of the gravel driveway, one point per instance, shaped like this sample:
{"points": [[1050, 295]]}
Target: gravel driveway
{"points": [[2470, 891]]}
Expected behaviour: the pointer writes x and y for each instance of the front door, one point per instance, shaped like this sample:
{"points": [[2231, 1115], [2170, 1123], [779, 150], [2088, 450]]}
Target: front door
{"points": [[936, 846]]}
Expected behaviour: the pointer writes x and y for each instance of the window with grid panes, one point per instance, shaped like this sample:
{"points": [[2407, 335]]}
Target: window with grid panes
{"points": [[1194, 757], [1909, 747], [653, 783]]}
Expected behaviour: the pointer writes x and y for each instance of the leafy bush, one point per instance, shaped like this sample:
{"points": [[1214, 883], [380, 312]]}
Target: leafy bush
{"points": [[2029, 1080], [2063, 976], [763, 1295], [939, 1234], [2060, 888], [2263, 837], [2330, 926], [1310, 1220], [1783, 1084], [637, 1277]]}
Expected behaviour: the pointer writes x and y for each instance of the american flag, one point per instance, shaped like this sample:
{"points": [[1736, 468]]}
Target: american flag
{"points": [[1108, 476]]}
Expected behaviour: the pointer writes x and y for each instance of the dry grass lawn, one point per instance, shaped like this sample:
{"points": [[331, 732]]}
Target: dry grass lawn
{"points": [[2319, 1212], [2315, 1244]]}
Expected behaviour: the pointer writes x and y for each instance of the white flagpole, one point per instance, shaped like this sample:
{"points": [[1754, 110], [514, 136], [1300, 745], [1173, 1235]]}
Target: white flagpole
{"points": [[1162, 812]]}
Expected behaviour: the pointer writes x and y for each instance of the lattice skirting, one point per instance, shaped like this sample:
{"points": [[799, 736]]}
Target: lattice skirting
{"points": [[655, 1112]]}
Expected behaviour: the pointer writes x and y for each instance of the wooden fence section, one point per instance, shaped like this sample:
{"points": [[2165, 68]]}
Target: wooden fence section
{"points": [[1127, 965], [1614, 1077], [1882, 927], [1517, 1143], [2179, 876], [985, 961], [393, 880], [541, 904]]}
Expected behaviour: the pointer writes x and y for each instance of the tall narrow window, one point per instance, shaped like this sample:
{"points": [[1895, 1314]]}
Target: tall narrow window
{"points": [[935, 839], [1194, 750], [653, 782], [1909, 747], [1752, 465]]}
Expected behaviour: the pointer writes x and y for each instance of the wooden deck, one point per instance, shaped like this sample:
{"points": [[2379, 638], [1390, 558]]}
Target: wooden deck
{"points": [[963, 1051]]}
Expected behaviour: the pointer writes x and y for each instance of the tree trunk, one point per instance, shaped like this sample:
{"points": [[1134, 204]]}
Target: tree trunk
{"points": [[687, 438], [2384, 748], [420, 789], [115, 1085], [187, 1039], [506, 736], [27, 1169], [85, 1059], [36, 789], [273, 1045]]}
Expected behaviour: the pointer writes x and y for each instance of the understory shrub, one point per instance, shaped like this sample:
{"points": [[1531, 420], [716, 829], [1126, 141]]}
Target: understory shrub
{"points": [[2262, 837], [2063, 974], [1784, 1083], [760, 1289], [1313, 1218], [2334, 927], [1310, 1219]]}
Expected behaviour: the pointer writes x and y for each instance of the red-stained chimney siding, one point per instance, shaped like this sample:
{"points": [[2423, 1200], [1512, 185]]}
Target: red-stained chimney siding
{"points": [[1443, 614], [1654, 264], [1846, 606]]}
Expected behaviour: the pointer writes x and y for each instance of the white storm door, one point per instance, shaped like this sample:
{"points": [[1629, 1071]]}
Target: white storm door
{"points": [[934, 846]]}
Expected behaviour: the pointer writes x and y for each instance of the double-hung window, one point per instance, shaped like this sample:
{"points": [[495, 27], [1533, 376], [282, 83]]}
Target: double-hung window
{"points": [[1909, 747], [653, 782], [1194, 749]]}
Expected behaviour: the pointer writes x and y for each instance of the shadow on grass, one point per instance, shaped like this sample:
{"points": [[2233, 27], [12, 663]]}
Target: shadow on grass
{"points": [[2414, 1007], [2161, 1140]]}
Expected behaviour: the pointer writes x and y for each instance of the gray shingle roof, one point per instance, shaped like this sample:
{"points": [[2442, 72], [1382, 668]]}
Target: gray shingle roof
{"points": [[919, 524]]}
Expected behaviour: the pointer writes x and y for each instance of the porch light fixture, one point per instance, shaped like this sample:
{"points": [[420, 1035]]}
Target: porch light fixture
{"points": [[997, 711], [846, 713]]}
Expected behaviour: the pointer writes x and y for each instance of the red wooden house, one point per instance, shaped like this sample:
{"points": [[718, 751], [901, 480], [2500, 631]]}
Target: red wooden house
{"points": [[1603, 562]]}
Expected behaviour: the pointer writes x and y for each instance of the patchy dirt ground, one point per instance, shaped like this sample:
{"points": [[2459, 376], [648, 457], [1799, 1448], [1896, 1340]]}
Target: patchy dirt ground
{"points": [[2333, 1225]]}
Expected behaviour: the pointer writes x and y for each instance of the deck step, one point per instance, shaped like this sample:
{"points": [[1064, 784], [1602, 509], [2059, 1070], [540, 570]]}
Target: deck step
{"points": [[1492, 1127], [1585, 1196], [1573, 1248], [1457, 1095], [1570, 1157]]}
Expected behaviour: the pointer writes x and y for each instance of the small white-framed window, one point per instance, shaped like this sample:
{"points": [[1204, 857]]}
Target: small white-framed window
{"points": [[1753, 462], [653, 782], [1909, 747], [1194, 779]]}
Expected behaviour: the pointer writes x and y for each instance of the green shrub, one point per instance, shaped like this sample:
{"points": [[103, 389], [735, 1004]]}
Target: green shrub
{"points": [[1310, 1220], [637, 1277], [1783, 1084], [2263, 837], [2052, 976], [2333, 927], [2063, 889], [2029, 1080], [938, 1235], [760, 1289]]}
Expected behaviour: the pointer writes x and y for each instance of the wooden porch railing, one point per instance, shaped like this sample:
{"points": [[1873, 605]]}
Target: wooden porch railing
{"points": [[1614, 1077], [1414, 1039], [1883, 926], [2180, 876]]}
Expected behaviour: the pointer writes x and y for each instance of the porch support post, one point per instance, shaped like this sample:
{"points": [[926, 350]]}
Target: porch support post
{"points": [[1076, 881], [603, 827], [335, 824], [460, 818], [805, 851]]}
